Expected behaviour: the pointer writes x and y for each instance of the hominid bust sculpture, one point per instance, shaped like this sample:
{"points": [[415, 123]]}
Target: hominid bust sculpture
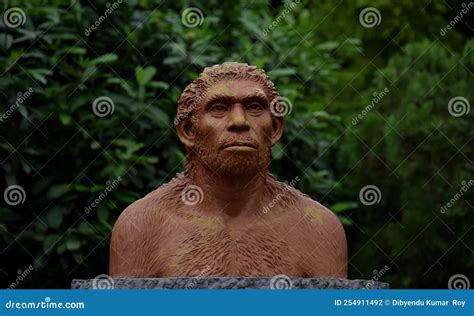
{"points": [[226, 215]]}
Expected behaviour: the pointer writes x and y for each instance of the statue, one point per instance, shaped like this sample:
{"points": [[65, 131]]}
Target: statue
{"points": [[226, 215]]}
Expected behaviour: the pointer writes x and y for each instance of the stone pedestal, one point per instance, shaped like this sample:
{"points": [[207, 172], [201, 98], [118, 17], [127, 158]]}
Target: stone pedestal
{"points": [[277, 282]]}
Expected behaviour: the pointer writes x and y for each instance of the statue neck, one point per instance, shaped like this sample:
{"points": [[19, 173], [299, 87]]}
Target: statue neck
{"points": [[232, 196]]}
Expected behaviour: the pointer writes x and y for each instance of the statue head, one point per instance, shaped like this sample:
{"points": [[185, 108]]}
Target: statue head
{"points": [[228, 119]]}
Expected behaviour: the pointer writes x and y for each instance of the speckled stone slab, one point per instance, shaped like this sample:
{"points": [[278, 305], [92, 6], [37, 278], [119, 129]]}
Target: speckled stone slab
{"points": [[277, 282]]}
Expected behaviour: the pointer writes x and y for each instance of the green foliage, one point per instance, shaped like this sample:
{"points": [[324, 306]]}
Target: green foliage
{"points": [[79, 170], [140, 57], [418, 155]]}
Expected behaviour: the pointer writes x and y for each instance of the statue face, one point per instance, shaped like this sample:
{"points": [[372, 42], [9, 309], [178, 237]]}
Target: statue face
{"points": [[234, 130]]}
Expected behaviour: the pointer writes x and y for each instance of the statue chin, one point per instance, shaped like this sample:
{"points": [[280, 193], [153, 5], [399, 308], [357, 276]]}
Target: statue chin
{"points": [[235, 167], [236, 163]]}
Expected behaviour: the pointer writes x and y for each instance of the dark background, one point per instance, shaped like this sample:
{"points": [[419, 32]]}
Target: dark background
{"points": [[408, 146]]}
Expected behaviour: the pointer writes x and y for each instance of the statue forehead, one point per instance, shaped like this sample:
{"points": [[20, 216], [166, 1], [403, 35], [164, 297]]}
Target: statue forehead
{"points": [[238, 88]]}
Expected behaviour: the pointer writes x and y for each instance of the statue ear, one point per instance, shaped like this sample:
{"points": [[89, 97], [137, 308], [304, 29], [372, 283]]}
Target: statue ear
{"points": [[277, 124], [185, 132]]}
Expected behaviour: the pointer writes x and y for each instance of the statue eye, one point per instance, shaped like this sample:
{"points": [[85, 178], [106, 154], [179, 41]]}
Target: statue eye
{"points": [[218, 107], [255, 106]]}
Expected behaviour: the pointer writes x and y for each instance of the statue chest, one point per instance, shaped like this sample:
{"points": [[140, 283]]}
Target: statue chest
{"points": [[257, 251]]}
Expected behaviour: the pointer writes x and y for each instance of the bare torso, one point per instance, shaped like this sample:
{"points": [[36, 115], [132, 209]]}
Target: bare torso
{"points": [[159, 237]]}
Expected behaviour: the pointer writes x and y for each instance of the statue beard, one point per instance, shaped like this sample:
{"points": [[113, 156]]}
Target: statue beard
{"points": [[230, 164]]}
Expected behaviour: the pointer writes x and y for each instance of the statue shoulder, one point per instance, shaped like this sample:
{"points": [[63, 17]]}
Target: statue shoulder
{"points": [[151, 208], [325, 237], [319, 214]]}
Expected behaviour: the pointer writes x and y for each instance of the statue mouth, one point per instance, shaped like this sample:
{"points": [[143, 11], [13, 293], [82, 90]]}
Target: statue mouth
{"points": [[239, 146]]}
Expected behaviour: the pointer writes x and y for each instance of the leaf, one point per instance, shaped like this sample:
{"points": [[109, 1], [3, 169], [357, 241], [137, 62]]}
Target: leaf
{"points": [[49, 242], [158, 116], [61, 249], [103, 214], [73, 244], [75, 50], [64, 118], [144, 75], [85, 229], [282, 72], [6, 41], [343, 206], [159, 84], [330, 45], [277, 151], [58, 190], [54, 217], [346, 221], [107, 58], [88, 72], [39, 74]]}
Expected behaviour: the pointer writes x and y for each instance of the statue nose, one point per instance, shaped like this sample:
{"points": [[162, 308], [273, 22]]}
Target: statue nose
{"points": [[238, 118]]}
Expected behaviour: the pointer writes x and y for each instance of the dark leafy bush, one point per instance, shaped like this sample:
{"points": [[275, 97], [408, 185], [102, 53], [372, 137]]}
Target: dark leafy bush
{"points": [[79, 170]]}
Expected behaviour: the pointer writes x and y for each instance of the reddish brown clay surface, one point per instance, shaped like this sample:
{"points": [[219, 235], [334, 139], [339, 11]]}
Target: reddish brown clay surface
{"points": [[226, 215]]}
